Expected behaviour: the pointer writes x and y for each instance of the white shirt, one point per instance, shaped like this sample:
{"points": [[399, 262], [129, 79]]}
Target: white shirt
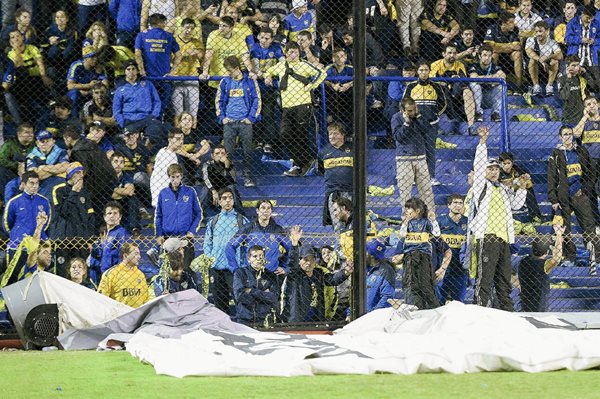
{"points": [[546, 49], [160, 178]]}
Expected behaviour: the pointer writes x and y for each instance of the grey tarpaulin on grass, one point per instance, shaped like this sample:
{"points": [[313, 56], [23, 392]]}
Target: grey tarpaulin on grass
{"points": [[167, 317]]}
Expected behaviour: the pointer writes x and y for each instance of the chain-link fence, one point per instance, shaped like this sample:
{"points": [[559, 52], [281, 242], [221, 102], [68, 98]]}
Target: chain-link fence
{"points": [[152, 146]]}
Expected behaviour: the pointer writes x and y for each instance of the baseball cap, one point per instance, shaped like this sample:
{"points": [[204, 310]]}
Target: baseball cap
{"points": [[127, 132], [73, 168], [98, 124], [298, 4], [541, 245], [129, 63], [306, 251], [87, 52], [376, 249], [173, 244], [62, 102], [492, 162], [43, 135]]}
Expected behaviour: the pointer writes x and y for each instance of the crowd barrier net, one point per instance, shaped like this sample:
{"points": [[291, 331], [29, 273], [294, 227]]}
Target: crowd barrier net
{"points": [[155, 146]]}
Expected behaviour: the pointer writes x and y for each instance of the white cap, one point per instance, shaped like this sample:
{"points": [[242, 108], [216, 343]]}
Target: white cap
{"points": [[298, 4], [173, 244]]}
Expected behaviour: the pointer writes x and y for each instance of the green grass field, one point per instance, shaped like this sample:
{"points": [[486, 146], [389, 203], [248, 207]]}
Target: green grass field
{"points": [[118, 375]]}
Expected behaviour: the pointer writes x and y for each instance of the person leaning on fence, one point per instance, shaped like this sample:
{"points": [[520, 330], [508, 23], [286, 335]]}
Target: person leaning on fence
{"points": [[238, 106], [124, 282], [337, 164], [534, 271], [256, 290], [219, 230], [410, 129], [380, 277], [544, 54], [297, 80], [490, 93], [571, 180], [491, 227], [430, 98], [418, 227], [304, 296]]}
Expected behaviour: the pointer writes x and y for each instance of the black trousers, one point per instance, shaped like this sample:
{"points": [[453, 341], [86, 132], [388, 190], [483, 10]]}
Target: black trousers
{"points": [[582, 206], [418, 280], [297, 134], [221, 287], [493, 273]]}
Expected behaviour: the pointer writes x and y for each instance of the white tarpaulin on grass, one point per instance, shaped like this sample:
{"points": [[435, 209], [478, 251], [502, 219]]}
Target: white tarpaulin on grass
{"points": [[455, 338]]}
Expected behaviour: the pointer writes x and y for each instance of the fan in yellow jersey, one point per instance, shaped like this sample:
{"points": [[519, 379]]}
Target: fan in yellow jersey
{"points": [[125, 282], [221, 44], [186, 95], [297, 79]]}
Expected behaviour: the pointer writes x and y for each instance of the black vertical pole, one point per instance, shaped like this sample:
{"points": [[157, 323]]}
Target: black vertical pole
{"points": [[359, 60]]}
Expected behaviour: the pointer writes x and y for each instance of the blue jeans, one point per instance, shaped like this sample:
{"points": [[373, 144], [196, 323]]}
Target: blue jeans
{"points": [[487, 94], [244, 130]]}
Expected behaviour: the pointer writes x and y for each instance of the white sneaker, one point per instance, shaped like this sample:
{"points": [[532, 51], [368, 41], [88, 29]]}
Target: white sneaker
{"points": [[549, 90], [294, 171], [435, 182], [593, 269], [536, 90]]}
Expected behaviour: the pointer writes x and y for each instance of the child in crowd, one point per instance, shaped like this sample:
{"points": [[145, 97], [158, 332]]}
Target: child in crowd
{"points": [[418, 227]]}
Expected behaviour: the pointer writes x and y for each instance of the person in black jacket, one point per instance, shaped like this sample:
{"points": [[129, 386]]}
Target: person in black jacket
{"points": [[100, 175], [73, 218], [571, 180], [255, 290], [219, 173], [304, 287]]}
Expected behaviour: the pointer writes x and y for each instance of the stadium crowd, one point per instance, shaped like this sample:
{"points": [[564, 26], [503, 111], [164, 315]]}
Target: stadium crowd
{"points": [[103, 131]]}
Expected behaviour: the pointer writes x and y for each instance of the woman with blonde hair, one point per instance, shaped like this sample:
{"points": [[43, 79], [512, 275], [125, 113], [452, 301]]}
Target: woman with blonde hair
{"points": [[96, 36]]}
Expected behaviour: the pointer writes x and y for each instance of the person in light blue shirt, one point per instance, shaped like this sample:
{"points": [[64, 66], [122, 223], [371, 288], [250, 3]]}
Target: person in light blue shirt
{"points": [[219, 230]]}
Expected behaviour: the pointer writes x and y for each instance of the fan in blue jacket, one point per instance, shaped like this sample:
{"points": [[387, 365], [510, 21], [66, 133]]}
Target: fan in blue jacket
{"points": [[380, 277], [265, 233], [178, 210], [583, 37]]}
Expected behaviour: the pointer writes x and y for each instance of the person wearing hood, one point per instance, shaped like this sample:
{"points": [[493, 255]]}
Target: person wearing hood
{"points": [[100, 178], [571, 181]]}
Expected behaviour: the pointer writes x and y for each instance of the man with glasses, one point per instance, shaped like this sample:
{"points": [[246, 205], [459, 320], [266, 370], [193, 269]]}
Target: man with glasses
{"points": [[571, 181]]}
